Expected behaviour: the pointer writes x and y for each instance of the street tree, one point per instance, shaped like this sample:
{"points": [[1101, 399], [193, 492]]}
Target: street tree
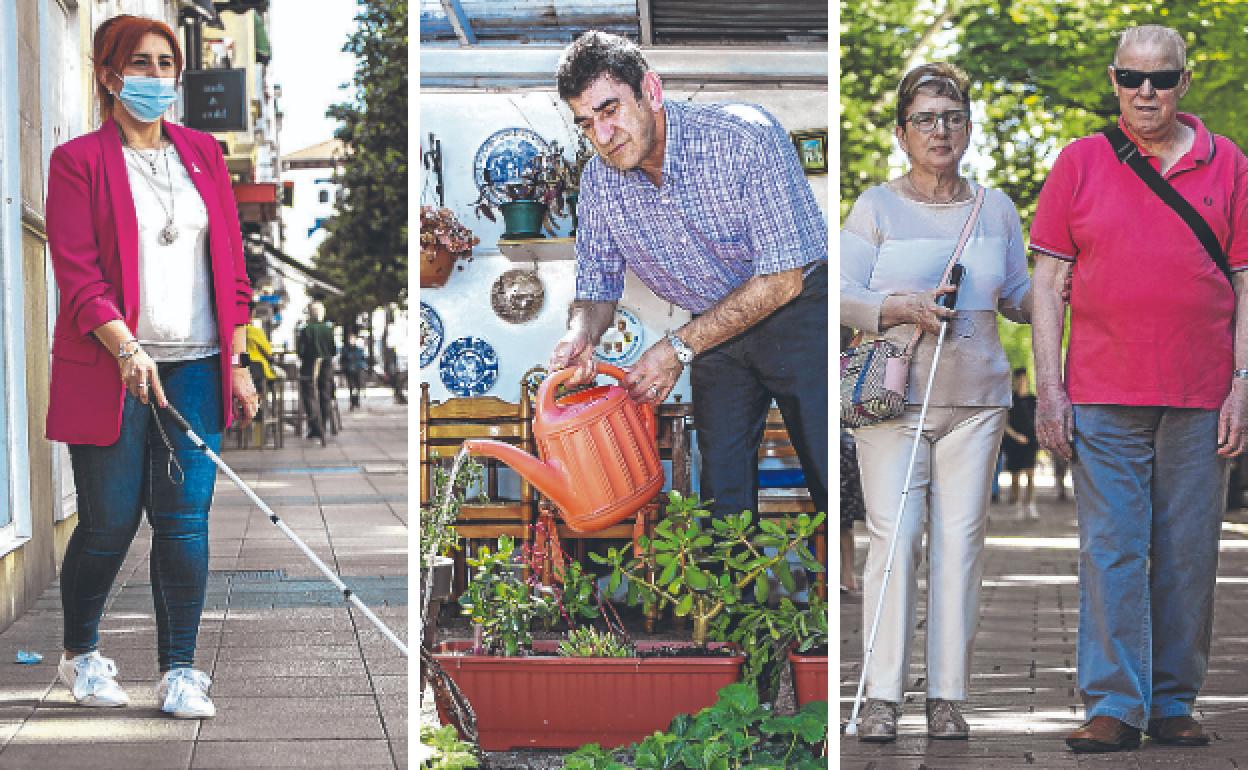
{"points": [[366, 249]]}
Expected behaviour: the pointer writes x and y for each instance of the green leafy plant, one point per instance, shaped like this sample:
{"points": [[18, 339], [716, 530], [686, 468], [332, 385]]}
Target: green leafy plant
{"points": [[592, 757], [501, 604], [738, 732], [765, 634], [702, 570], [588, 642], [448, 751]]}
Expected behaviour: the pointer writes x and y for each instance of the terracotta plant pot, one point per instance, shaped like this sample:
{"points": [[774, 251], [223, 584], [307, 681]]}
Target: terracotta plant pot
{"points": [[541, 702], [810, 677], [436, 265]]}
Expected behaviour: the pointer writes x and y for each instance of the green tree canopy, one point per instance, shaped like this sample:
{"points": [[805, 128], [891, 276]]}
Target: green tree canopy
{"points": [[366, 250], [1039, 73]]}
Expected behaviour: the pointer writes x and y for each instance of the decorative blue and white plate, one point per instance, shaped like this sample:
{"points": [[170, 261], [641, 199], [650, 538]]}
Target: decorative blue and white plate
{"points": [[506, 154], [621, 344], [469, 367], [431, 334]]}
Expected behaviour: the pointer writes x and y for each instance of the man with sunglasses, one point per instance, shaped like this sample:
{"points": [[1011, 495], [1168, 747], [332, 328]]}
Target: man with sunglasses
{"points": [[1154, 398], [707, 204]]}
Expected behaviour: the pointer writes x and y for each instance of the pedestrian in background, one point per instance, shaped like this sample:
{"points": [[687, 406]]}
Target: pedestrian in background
{"points": [[316, 350], [144, 238], [1020, 446], [895, 246], [1154, 397], [354, 365]]}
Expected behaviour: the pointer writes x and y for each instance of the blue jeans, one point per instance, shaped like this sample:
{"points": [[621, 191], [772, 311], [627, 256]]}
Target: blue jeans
{"points": [[116, 483], [1150, 494]]}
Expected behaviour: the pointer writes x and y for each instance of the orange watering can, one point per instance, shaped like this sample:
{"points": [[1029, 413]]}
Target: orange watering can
{"points": [[599, 455]]}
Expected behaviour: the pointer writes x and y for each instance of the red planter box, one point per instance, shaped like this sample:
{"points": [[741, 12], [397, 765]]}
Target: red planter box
{"points": [[564, 703], [810, 677]]}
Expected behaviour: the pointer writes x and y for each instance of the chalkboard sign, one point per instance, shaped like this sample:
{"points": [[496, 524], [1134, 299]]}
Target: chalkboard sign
{"points": [[216, 100]]}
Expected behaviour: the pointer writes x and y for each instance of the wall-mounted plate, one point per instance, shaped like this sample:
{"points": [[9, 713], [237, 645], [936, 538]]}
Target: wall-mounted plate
{"points": [[431, 334], [506, 154], [621, 344], [469, 367], [517, 296]]}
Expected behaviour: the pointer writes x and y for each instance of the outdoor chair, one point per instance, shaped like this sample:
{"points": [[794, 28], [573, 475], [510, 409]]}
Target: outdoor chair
{"points": [[444, 426]]}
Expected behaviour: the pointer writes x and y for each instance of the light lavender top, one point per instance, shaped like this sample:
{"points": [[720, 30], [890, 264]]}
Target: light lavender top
{"points": [[891, 244]]}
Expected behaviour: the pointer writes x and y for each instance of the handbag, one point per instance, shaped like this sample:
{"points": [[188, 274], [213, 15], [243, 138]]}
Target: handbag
{"points": [[874, 374], [1130, 155]]}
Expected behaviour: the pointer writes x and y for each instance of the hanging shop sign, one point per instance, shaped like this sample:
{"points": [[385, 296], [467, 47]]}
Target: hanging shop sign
{"points": [[216, 100]]}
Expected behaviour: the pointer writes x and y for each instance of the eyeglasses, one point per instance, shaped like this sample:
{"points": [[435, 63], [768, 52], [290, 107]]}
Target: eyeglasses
{"points": [[954, 120], [1162, 80]]}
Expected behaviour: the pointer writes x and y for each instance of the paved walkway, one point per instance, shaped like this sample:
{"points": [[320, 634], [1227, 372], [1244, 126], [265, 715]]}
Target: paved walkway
{"points": [[1023, 693], [299, 679]]}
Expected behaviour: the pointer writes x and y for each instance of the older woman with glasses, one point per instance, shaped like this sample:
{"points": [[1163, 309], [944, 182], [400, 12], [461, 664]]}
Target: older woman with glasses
{"points": [[895, 246]]}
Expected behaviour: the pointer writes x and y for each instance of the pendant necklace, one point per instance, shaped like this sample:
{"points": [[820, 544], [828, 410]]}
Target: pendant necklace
{"points": [[169, 233], [932, 198]]}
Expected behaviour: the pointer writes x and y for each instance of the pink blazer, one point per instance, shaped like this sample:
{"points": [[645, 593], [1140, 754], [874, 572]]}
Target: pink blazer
{"points": [[93, 237]]}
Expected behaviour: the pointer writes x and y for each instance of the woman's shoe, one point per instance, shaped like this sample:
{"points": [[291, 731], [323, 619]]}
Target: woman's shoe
{"points": [[91, 679], [878, 723], [945, 722], [184, 694]]}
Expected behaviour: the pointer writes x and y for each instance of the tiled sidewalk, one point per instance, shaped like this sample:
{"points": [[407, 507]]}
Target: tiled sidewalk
{"points": [[1023, 694], [299, 679]]}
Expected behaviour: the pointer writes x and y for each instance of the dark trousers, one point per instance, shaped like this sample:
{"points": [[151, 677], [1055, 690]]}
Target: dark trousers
{"points": [[316, 385], [784, 357]]}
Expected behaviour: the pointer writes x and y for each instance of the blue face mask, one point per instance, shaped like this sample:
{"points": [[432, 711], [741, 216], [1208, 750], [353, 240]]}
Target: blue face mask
{"points": [[147, 98]]}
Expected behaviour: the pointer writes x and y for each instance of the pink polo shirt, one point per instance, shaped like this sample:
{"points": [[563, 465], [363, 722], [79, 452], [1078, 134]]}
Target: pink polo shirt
{"points": [[1151, 315]]}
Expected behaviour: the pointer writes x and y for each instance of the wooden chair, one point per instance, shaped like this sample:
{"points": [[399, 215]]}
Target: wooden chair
{"points": [[269, 423], [292, 402], [444, 426], [782, 492]]}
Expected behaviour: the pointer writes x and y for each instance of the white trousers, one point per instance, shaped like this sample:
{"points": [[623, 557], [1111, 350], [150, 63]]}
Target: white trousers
{"points": [[949, 493]]}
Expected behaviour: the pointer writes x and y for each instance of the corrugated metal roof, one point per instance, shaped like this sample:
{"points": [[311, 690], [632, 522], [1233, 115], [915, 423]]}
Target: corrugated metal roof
{"points": [[714, 21], [530, 21]]}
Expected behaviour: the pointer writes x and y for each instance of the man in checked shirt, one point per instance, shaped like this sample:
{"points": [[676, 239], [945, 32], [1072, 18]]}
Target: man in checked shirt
{"points": [[709, 207]]}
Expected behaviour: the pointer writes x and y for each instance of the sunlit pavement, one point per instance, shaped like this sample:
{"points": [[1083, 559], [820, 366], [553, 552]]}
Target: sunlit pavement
{"points": [[299, 679], [1023, 694]]}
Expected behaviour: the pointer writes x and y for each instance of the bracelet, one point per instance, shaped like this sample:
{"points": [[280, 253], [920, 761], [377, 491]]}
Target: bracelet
{"points": [[123, 354], [1240, 374]]}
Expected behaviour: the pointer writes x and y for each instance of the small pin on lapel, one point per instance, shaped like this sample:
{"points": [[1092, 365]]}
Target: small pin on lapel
{"points": [[194, 168]]}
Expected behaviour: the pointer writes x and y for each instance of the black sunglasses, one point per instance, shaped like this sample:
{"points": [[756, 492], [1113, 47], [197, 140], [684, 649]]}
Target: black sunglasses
{"points": [[1162, 80]]}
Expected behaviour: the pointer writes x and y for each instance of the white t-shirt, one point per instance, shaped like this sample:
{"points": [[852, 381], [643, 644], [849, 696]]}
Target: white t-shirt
{"points": [[177, 321]]}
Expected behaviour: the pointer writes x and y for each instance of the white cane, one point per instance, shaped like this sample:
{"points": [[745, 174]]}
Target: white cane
{"points": [[950, 301], [347, 593]]}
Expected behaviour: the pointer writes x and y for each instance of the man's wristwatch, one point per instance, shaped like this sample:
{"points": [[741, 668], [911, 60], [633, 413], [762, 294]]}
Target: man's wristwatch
{"points": [[240, 360], [684, 353]]}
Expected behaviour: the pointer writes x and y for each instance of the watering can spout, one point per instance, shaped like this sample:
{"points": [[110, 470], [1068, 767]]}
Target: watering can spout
{"points": [[549, 478]]}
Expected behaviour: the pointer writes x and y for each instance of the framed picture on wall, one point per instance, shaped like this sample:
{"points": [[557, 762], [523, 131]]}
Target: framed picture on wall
{"points": [[812, 150]]}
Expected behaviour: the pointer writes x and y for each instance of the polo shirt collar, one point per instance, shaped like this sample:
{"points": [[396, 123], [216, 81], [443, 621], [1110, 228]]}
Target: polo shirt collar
{"points": [[1202, 145]]}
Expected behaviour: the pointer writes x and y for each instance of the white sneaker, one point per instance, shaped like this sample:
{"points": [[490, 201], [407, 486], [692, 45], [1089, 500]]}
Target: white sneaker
{"points": [[184, 694], [90, 678]]}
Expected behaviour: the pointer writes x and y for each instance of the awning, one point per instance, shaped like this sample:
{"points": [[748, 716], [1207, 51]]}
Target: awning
{"points": [[264, 50], [291, 268]]}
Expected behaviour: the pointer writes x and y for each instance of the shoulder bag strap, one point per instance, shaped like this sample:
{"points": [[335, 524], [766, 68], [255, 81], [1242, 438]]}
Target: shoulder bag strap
{"points": [[953, 260], [1129, 154]]}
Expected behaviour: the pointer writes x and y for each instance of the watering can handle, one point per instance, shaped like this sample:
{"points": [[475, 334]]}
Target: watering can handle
{"points": [[550, 386]]}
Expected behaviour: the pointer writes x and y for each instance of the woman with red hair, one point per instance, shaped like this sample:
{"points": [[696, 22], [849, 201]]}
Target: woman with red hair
{"points": [[146, 247]]}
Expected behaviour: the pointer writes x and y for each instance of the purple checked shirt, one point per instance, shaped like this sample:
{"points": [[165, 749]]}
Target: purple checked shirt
{"points": [[734, 204]]}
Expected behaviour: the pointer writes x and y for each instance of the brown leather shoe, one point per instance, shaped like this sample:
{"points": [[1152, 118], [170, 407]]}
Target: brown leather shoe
{"points": [[1101, 734], [1176, 731]]}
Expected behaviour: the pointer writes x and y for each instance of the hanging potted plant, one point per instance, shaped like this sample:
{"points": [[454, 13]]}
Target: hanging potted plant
{"points": [[442, 241], [613, 696]]}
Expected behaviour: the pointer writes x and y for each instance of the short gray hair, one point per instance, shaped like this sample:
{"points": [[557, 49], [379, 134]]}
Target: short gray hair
{"points": [[1154, 34], [316, 311]]}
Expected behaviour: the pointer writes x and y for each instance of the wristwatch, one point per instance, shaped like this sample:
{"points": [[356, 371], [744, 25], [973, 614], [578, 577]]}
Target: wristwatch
{"points": [[240, 360], [684, 353]]}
